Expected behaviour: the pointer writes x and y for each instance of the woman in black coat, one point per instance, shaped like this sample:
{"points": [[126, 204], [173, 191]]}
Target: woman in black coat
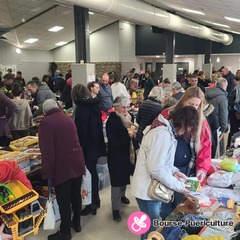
{"points": [[120, 131], [90, 134]]}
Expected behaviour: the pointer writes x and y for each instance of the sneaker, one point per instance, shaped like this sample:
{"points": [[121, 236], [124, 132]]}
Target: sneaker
{"points": [[125, 200], [116, 216], [60, 236]]}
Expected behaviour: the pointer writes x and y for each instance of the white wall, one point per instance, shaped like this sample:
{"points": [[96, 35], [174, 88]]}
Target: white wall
{"points": [[32, 63], [65, 53], [230, 61], [104, 44]]}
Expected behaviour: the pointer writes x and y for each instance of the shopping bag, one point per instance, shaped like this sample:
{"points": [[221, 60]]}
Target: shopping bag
{"points": [[49, 220], [86, 188]]}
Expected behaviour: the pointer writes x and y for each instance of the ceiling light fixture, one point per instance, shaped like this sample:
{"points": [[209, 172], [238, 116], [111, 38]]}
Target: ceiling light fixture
{"points": [[55, 29], [60, 43], [157, 56], [91, 13], [232, 19], [234, 32], [218, 24], [218, 59], [18, 50], [193, 11], [31, 40]]}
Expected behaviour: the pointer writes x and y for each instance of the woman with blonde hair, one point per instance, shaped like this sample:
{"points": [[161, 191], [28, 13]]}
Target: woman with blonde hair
{"points": [[191, 157]]}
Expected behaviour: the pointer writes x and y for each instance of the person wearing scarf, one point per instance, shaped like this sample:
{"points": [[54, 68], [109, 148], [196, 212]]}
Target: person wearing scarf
{"points": [[121, 155]]}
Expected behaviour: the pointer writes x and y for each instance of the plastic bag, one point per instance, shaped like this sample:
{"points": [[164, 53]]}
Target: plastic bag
{"points": [[220, 179], [86, 188], [49, 220]]}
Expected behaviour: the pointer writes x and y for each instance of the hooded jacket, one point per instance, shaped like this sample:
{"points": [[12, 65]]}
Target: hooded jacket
{"points": [[22, 116], [218, 98]]}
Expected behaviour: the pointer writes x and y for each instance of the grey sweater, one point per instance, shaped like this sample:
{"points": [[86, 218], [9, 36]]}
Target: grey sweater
{"points": [[22, 116]]}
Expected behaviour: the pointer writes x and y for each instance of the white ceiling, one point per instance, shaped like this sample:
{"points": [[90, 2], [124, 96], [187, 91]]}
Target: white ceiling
{"points": [[17, 14]]}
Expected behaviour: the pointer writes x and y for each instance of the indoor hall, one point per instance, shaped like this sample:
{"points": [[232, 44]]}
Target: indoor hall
{"points": [[166, 39]]}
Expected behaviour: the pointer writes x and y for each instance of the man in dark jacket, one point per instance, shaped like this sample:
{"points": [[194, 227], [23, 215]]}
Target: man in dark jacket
{"points": [[7, 108], [230, 78], [63, 165], [42, 92], [218, 98]]}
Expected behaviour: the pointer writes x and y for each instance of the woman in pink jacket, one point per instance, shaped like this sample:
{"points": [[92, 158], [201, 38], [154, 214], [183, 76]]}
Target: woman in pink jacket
{"points": [[192, 158]]}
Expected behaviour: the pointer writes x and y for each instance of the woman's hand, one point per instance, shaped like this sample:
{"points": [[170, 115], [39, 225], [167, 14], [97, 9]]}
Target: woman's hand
{"points": [[200, 175], [131, 131], [180, 175], [186, 192]]}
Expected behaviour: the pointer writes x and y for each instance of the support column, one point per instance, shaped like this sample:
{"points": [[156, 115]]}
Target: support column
{"points": [[82, 41], [170, 47], [170, 69], [208, 52], [207, 66]]}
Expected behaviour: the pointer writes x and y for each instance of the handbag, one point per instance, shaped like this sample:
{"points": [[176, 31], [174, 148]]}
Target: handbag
{"points": [[158, 191]]}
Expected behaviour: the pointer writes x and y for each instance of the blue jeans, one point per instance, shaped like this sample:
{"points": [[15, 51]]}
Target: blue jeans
{"points": [[152, 209], [167, 208]]}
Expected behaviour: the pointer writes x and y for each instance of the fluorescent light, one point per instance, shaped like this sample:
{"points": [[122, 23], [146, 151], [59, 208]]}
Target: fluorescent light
{"points": [[91, 13], [218, 24], [31, 40], [176, 56], [232, 19], [193, 11], [18, 50], [60, 43], [235, 32], [157, 56], [218, 59], [55, 29]]}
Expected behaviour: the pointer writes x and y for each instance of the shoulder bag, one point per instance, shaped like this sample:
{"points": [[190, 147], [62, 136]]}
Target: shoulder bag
{"points": [[158, 191]]}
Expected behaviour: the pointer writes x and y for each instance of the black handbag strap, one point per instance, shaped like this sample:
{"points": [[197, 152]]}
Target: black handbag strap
{"points": [[50, 189]]}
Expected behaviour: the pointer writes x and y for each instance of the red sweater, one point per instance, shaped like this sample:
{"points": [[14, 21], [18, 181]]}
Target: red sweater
{"points": [[10, 170]]}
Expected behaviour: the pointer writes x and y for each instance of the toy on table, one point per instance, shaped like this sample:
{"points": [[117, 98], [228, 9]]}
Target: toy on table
{"points": [[6, 194], [230, 164], [192, 184]]}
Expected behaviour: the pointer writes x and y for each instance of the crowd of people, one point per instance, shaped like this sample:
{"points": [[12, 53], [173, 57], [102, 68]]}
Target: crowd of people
{"points": [[176, 131]]}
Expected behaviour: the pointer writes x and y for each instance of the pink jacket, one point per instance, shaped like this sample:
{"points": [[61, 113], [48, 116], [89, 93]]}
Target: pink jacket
{"points": [[203, 158]]}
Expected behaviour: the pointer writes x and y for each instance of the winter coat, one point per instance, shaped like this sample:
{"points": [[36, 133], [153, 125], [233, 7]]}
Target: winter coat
{"points": [[230, 78], [66, 94], [62, 156], [43, 94], [149, 84], [178, 95], [7, 108], [203, 157], [22, 116], [120, 167], [155, 159], [89, 127], [147, 112], [218, 98]]}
